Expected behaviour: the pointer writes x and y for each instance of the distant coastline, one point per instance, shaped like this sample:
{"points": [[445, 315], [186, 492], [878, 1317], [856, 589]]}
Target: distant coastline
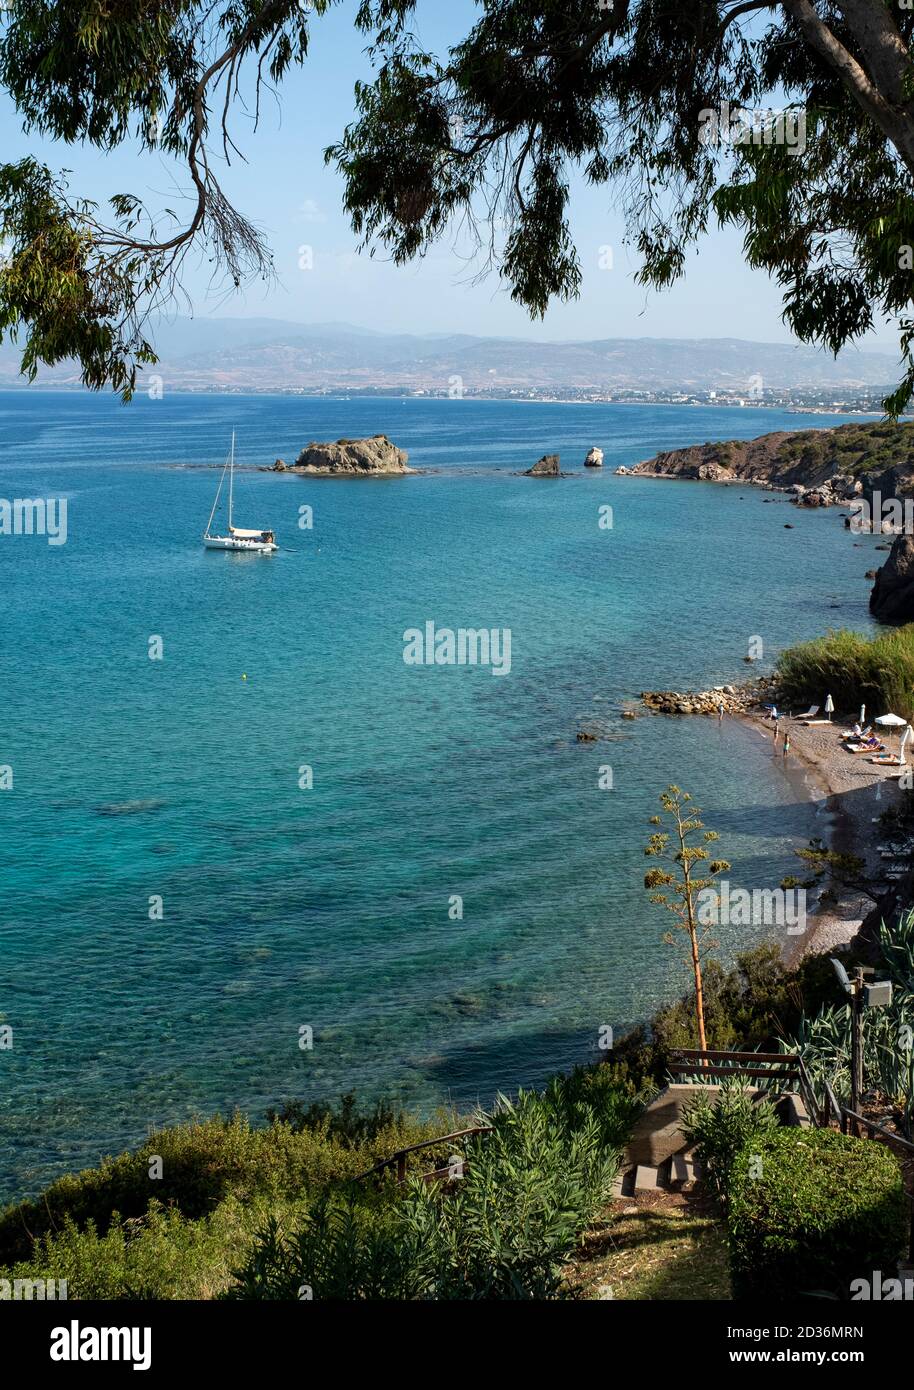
{"points": [[862, 410]]}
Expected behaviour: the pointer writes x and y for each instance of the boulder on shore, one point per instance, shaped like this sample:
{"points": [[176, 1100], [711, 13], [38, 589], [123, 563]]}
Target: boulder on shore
{"points": [[892, 597], [374, 457], [594, 459], [735, 699], [547, 467]]}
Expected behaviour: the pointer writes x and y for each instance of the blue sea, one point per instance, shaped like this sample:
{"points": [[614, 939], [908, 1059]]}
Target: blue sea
{"points": [[335, 908]]}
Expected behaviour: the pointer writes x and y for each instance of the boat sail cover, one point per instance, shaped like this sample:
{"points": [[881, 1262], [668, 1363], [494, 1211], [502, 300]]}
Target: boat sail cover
{"points": [[247, 535]]}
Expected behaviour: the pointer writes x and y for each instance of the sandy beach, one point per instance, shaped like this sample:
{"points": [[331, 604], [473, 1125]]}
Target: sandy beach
{"points": [[854, 793]]}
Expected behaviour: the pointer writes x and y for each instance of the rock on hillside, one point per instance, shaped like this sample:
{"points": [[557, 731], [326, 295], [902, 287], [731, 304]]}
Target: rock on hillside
{"points": [[892, 598], [374, 457]]}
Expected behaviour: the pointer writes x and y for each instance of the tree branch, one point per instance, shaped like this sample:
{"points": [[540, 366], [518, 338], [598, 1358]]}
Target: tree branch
{"points": [[897, 127]]}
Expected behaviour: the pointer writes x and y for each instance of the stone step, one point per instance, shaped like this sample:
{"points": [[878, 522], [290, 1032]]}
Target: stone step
{"points": [[686, 1168], [648, 1179]]}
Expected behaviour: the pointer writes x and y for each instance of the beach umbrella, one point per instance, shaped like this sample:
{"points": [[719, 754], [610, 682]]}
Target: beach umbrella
{"points": [[829, 706], [892, 721]]}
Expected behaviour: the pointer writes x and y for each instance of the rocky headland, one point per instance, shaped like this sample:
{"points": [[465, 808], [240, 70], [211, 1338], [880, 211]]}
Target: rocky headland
{"points": [[820, 467], [859, 466], [351, 458]]}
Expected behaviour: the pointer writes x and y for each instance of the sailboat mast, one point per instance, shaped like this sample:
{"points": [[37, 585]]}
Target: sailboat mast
{"points": [[231, 481]]}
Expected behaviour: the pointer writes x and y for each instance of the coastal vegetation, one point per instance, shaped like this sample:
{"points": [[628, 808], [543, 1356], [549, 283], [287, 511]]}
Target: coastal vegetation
{"points": [[856, 670], [810, 1210], [823, 1039], [259, 1213], [235, 1202], [502, 1228], [683, 898], [852, 449], [806, 1210], [802, 459], [720, 1128]]}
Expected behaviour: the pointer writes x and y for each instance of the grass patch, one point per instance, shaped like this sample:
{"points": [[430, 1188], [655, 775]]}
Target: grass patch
{"points": [[877, 672], [669, 1252]]}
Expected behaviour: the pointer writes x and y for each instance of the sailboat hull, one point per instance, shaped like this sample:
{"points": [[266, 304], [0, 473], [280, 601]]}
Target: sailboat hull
{"points": [[237, 543]]}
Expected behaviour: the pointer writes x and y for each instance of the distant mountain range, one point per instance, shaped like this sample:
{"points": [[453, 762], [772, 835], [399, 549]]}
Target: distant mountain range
{"points": [[271, 355]]}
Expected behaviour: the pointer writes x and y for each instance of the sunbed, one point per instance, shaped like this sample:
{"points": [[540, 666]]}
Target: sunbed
{"points": [[810, 713]]}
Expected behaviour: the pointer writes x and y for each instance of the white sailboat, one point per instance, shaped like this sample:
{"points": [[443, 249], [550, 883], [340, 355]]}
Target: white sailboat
{"points": [[263, 542]]}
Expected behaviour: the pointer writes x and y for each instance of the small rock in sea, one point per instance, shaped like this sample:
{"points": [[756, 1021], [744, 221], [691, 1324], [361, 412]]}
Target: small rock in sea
{"points": [[547, 467], [629, 714], [594, 459], [279, 466], [376, 457], [787, 526], [870, 574], [585, 736]]}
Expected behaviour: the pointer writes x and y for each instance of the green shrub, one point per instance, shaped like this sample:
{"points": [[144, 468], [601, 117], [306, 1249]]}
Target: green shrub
{"points": [[720, 1128], [161, 1255], [502, 1230], [530, 1190], [344, 1250], [809, 1210], [593, 1090], [203, 1164], [855, 670], [344, 1121]]}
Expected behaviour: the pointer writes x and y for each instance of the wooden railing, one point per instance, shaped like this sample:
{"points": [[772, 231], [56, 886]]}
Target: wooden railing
{"points": [[787, 1068], [776, 1066], [399, 1159]]}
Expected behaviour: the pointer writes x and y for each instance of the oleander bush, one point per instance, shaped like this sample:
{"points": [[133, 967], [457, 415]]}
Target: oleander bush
{"points": [[811, 1209], [720, 1127]]}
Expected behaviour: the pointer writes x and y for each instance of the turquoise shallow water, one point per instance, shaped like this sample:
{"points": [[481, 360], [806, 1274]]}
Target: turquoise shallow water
{"points": [[329, 907]]}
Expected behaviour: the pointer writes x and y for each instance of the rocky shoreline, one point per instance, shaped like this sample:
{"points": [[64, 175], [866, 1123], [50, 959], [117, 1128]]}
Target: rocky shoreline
{"points": [[726, 699], [863, 467]]}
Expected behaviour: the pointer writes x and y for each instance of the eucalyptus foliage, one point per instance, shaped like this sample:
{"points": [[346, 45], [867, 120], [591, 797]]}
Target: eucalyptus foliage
{"points": [[486, 136]]}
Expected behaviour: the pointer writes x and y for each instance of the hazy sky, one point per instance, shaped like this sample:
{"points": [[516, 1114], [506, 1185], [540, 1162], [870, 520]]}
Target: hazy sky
{"points": [[297, 201]]}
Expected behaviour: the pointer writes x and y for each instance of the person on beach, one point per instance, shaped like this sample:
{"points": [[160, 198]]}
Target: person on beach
{"points": [[786, 744], [720, 711], [777, 727]]}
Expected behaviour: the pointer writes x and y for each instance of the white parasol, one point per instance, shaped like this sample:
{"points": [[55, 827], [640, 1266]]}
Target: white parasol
{"points": [[894, 721]]}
